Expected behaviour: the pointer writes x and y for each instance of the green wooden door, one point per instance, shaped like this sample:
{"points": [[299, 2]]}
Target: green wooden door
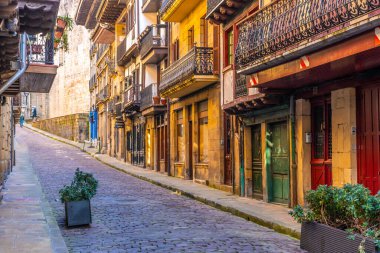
{"points": [[279, 163], [257, 176]]}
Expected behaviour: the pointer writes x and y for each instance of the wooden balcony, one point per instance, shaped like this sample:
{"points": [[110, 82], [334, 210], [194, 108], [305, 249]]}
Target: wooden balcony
{"points": [[109, 11], [220, 11], [86, 13], [176, 10], [126, 50], [286, 30], [150, 101], [40, 74], [151, 6], [103, 95], [153, 44], [132, 99], [189, 74]]}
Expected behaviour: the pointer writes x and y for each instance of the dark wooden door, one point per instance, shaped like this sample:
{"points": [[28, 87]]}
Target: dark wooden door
{"points": [[189, 170], [138, 155], [257, 162], [227, 150], [368, 137], [321, 149], [279, 162]]}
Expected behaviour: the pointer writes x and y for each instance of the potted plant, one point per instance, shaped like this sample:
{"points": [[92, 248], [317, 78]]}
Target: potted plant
{"points": [[64, 24], [156, 100], [337, 220], [76, 198], [163, 101]]}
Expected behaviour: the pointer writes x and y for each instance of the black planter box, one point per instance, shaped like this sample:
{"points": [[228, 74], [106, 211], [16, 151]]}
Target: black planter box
{"points": [[78, 213], [320, 238]]}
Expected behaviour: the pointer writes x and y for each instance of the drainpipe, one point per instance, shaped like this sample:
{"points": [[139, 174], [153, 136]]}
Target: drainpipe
{"points": [[22, 70], [293, 143]]}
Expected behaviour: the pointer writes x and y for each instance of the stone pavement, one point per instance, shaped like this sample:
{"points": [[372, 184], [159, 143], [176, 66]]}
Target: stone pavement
{"points": [[132, 215], [26, 220], [269, 215]]}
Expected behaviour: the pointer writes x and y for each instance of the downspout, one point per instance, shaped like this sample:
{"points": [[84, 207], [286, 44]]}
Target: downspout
{"points": [[22, 70], [293, 143]]}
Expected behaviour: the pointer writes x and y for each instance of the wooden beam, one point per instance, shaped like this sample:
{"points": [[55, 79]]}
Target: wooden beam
{"points": [[234, 4], [226, 10]]}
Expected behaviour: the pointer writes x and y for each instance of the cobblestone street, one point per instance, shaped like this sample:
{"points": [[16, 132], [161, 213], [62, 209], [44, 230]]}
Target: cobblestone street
{"points": [[131, 215]]}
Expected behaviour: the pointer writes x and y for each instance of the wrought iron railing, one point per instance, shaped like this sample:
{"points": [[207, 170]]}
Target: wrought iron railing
{"points": [[111, 106], [93, 49], [103, 94], [147, 95], [198, 61], [121, 49], [41, 48], [166, 4], [212, 4], [132, 95], [240, 86], [118, 110], [284, 23], [92, 82], [152, 36], [101, 49]]}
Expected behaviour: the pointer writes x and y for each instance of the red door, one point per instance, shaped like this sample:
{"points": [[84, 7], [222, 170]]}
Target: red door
{"points": [[321, 150], [368, 137]]}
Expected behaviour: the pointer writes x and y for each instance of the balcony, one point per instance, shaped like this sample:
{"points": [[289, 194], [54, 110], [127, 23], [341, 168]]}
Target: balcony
{"points": [[176, 10], [220, 11], [240, 86], [153, 44], [150, 6], [86, 13], [126, 50], [132, 99], [41, 71], [191, 73], [280, 32], [92, 82], [150, 101], [101, 49], [103, 95], [109, 11]]}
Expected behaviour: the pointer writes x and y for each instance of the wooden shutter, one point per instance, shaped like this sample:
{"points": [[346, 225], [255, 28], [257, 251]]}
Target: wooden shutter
{"points": [[216, 42]]}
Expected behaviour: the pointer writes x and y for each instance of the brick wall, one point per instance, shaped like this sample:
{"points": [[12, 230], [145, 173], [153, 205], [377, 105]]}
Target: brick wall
{"points": [[73, 127]]}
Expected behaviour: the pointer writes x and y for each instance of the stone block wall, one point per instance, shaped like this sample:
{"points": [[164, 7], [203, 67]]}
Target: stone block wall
{"points": [[5, 139], [72, 127]]}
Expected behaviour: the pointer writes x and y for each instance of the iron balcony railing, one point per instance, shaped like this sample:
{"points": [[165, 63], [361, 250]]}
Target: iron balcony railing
{"points": [[166, 4], [285, 23], [41, 48], [111, 106], [93, 49], [92, 82], [198, 61], [132, 96], [241, 89], [118, 109], [147, 95], [212, 4], [103, 94], [101, 48], [121, 49], [153, 36]]}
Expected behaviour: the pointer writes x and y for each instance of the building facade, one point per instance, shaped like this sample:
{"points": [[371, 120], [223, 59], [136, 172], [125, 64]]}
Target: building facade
{"points": [[299, 80]]}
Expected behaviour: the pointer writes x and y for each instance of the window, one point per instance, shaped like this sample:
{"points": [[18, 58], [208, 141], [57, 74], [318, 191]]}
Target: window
{"points": [[130, 19], [203, 131], [175, 50], [230, 47], [180, 137], [204, 32], [190, 38]]}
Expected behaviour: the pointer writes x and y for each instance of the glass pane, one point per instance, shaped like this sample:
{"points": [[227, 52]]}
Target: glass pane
{"points": [[318, 132], [203, 140]]}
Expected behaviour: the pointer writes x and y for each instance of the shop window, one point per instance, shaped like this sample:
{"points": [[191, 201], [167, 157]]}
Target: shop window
{"points": [[203, 131], [180, 137]]}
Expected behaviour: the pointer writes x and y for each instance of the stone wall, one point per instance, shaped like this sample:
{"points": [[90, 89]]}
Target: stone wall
{"points": [[73, 127], [70, 91], [5, 139]]}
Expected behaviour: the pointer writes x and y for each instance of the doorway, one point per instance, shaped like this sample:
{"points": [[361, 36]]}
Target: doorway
{"points": [[368, 137], [278, 145], [227, 150], [257, 162], [321, 148]]}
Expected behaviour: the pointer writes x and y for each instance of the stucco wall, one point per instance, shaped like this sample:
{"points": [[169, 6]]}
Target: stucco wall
{"points": [[5, 139]]}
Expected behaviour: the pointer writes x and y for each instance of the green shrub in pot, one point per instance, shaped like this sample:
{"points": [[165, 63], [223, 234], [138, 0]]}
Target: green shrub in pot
{"points": [[351, 208]]}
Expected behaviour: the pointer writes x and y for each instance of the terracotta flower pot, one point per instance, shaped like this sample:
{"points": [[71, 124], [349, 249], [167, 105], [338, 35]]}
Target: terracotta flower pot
{"points": [[61, 23], [156, 100], [163, 101], [56, 44], [58, 34]]}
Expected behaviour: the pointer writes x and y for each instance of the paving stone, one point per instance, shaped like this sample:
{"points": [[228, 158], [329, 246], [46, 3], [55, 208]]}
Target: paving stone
{"points": [[136, 216]]}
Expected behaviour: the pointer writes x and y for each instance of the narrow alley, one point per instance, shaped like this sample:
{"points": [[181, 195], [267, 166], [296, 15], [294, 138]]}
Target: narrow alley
{"points": [[131, 215]]}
